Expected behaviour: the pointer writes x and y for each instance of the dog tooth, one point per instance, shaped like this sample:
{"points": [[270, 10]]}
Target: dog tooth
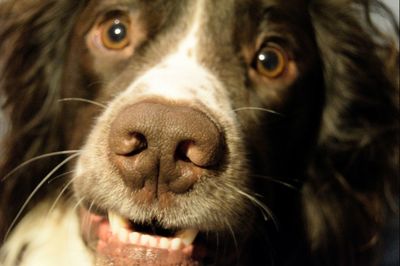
{"points": [[165, 243], [117, 222], [123, 235], [144, 240], [153, 242], [187, 236], [134, 238], [176, 244]]}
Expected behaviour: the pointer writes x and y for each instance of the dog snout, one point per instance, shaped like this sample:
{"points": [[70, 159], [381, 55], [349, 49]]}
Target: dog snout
{"points": [[165, 146]]}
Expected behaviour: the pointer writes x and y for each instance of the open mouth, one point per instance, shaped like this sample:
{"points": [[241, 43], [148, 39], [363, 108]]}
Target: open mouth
{"points": [[119, 241]]}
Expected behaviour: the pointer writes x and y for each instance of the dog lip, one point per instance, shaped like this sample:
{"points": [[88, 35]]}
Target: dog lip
{"points": [[114, 240]]}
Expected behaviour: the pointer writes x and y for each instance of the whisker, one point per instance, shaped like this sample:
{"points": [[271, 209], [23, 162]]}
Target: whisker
{"points": [[60, 195], [78, 203], [44, 180], [73, 209], [267, 213], [87, 217], [218, 247], [390, 198], [38, 158], [59, 176], [295, 186], [91, 206], [233, 236], [83, 100], [246, 108], [76, 206]]}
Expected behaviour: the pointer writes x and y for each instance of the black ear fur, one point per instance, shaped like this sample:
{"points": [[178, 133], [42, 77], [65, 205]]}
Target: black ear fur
{"points": [[32, 47], [354, 172]]}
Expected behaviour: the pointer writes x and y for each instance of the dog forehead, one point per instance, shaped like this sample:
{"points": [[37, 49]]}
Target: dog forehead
{"points": [[215, 28], [208, 23]]}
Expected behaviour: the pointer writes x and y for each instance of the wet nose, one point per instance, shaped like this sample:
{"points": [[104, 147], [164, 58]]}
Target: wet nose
{"points": [[170, 145]]}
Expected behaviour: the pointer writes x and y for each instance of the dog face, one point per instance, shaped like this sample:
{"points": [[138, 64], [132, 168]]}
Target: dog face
{"points": [[171, 148], [206, 126]]}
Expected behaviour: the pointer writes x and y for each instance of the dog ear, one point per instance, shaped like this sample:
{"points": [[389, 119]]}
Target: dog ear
{"points": [[33, 47], [354, 171]]}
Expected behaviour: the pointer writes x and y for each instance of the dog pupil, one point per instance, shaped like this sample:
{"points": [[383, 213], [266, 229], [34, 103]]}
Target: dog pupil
{"points": [[269, 59], [117, 32]]}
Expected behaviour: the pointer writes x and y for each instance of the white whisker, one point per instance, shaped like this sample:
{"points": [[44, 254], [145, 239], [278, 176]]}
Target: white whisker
{"points": [[59, 176], [217, 245], [83, 100], [279, 181], [38, 158], [73, 209], [267, 213], [257, 109], [78, 203], [44, 180], [59, 196], [87, 217], [233, 236]]}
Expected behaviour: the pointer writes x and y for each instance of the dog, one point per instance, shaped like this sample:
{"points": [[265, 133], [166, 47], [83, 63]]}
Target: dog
{"points": [[197, 132]]}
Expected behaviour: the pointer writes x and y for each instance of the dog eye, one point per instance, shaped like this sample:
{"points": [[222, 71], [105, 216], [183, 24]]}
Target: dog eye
{"points": [[115, 34], [271, 61]]}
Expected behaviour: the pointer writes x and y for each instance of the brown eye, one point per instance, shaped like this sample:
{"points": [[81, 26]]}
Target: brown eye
{"points": [[115, 34], [271, 61]]}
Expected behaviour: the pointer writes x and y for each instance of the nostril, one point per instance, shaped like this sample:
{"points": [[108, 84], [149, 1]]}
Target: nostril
{"points": [[131, 144], [182, 151], [200, 155]]}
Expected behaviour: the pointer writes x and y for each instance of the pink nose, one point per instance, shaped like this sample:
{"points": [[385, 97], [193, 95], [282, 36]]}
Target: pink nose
{"points": [[172, 146]]}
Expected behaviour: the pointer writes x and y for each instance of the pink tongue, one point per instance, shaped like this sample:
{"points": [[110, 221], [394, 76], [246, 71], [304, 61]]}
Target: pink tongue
{"points": [[116, 253]]}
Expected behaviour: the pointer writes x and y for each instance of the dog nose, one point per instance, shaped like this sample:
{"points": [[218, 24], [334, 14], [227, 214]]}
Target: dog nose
{"points": [[166, 146]]}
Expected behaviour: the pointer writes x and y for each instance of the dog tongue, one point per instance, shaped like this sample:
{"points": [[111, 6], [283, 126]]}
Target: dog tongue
{"points": [[116, 253]]}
